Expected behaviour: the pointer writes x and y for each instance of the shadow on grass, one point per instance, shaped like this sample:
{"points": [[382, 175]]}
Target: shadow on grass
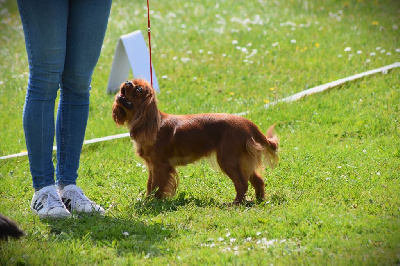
{"points": [[125, 235], [154, 206]]}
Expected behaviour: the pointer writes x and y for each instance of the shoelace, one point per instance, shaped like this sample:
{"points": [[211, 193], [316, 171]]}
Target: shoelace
{"points": [[53, 200], [75, 194]]}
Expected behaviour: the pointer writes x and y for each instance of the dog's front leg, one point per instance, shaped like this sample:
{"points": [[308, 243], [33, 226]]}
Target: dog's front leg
{"points": [[163, 179]]}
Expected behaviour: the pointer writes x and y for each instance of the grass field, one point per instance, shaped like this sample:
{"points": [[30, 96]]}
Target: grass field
{"points": [[333, 199]]}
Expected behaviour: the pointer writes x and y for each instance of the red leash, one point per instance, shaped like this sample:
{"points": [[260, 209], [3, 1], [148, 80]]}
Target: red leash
{"points": [[149, 30]]}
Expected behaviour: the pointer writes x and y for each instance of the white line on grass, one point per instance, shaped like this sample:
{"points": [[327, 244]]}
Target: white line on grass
{"points": [[292, 98]]}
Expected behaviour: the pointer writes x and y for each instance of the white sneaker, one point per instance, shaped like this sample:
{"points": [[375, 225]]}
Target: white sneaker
{"points": [[75, 200], [46, 203]]}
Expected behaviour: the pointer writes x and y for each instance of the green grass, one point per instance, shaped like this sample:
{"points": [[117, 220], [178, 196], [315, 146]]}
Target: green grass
{"points": [[333, 199]]}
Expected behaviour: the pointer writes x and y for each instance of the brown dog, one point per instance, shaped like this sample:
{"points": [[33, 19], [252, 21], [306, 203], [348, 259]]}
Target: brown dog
{"points": [[165, 141]]}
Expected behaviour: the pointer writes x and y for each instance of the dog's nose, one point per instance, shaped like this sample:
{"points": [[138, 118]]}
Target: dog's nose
{"points": [[128, 83]]}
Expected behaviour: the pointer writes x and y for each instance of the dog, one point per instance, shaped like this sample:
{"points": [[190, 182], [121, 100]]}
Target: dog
{"points": [[8, 228], [166, 141]]}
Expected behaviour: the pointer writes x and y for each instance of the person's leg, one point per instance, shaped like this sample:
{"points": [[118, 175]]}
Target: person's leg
{"points": [[45, 25], [87, 23]]}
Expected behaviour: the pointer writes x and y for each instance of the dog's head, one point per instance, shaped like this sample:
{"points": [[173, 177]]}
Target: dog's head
{"points": [[135, 104]]}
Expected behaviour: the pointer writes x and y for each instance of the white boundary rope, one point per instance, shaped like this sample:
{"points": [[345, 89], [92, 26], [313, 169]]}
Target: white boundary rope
{"points": [[292, 98]]}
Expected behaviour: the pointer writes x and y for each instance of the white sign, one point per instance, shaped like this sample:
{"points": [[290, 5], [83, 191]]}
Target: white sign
{"points": [[131, 52]]}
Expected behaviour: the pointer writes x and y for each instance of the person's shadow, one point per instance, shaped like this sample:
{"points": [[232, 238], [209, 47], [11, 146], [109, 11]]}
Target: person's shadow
{"points": [[128, 235]]}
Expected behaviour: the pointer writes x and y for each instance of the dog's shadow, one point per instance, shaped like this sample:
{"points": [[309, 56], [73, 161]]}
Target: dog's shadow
{"points": [[153, 206]]}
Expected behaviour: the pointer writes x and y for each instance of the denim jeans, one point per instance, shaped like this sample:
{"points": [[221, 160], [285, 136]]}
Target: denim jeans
{"points": [[63, 41]]}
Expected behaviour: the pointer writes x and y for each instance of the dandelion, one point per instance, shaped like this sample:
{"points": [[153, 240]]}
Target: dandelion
{"points": [[271, 89], [347, 49], [317, 45], [266, 101], [374, 23]]}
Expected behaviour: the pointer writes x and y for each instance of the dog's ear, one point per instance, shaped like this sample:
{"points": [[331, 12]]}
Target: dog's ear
{"points": [[146, 122], [118, 114]]}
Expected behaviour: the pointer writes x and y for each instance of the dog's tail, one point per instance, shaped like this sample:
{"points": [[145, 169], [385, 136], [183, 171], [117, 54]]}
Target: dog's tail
{"points": [[267, 145], [8, 228]]}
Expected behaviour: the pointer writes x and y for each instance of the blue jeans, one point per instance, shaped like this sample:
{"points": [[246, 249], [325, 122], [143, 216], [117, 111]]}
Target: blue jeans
{"points": [[63, 40]]}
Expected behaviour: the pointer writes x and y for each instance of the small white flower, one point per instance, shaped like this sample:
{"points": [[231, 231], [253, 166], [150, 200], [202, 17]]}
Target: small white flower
{"points": [[125, 233], [209, 52], [378, 48], [220, 239], [347, 49], [368, 60], [228, 234], [174, 58], [258, 233], [382, 51], [293, 41], [365, 151], [359, 52], [384, 72], [165, 77], [372, 54], [201, 51], [275, 44], [398, 50], [395, 27], [339, 55], [248, 45], [378, 173], [388, 53], [232, 240], [234, 42]]}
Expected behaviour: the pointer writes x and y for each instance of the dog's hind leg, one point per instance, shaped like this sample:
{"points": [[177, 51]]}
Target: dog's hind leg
{"points": [[259, 186], [230, 165]]}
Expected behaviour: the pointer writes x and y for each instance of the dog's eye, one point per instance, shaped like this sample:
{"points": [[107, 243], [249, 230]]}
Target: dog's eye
{"points": [[139, 89]]}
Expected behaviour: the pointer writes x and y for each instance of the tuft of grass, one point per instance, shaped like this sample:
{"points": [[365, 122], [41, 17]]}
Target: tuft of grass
{"points": [[333, 199]]}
